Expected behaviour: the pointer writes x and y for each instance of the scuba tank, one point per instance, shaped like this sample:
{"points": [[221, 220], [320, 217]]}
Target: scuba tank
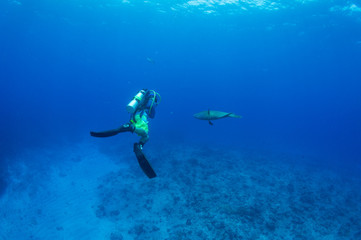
{"points": [[137, 99]]}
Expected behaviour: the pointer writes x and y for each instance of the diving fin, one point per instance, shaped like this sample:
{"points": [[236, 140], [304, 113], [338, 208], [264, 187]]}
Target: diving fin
{"points": [[108, 133], [124, 128], [143, 162]]}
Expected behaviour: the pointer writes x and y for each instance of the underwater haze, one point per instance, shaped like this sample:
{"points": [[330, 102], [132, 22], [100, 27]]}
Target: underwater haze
{"points": [[290, 168]]}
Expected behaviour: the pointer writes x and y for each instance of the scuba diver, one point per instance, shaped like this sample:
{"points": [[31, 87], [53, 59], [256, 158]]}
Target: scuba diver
{"points": [[142, 107]]}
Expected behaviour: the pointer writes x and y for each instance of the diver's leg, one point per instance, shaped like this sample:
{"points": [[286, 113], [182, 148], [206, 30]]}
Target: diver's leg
{"points": [[143, 134], [124, 128]]}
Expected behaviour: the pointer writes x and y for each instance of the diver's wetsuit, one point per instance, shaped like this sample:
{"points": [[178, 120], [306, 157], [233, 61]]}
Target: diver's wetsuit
{"points": [[139, 121]]}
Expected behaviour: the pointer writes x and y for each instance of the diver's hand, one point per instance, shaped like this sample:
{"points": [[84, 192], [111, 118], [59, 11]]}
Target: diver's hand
{"points": [[92, 134]]}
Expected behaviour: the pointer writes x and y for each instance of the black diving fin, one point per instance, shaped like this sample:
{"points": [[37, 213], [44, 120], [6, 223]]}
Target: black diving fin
{"points": [[143, 162]]}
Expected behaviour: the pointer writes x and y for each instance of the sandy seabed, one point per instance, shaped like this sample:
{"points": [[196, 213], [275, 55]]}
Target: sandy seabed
{"points": [[85, 192]]}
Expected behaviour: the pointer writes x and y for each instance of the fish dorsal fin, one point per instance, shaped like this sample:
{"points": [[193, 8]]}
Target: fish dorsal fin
{"points": [[209, 117]]}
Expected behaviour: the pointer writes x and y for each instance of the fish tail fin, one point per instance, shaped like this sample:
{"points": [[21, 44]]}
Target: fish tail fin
{"points": [[234, 115]]}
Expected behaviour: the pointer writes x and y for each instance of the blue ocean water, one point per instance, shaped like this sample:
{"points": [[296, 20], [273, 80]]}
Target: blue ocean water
{"points": [[290, 68]]}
